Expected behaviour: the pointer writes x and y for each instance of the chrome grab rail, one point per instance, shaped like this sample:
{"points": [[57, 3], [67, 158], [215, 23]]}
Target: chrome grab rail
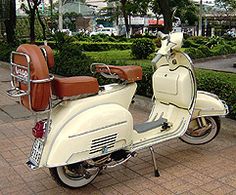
{"points": [[51, 77], [108, 75], [20, 74]]}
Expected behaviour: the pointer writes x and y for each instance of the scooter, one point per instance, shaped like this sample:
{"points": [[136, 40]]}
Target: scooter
{"points": [[82, 128]]}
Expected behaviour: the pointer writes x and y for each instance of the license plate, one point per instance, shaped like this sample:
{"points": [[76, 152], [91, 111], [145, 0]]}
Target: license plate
{"points": [[36, 152]]}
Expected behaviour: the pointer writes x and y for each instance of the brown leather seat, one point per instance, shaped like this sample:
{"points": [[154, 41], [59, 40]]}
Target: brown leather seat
{"points": [[70, 86], [40, 93], [127, 73], [74, 86]]}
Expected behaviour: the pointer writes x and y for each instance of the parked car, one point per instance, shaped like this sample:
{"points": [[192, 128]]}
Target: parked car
{"points": [[106, 30]]}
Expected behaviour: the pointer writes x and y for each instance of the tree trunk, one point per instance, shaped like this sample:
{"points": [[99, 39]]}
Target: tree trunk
{"points": [[125, 15], [32, 29], [167, 14], [10, 23], [42, 24]]}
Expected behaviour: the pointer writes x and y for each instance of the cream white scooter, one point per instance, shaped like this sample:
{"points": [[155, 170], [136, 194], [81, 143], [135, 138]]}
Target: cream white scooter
{"points": [[89, 128]]}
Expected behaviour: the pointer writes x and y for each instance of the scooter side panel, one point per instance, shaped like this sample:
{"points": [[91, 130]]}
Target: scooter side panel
{"points": [[63, 113], [94, 132], [209, 105]]}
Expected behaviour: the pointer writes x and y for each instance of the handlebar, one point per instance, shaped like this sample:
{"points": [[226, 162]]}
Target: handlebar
{"points": [[157, 58]]}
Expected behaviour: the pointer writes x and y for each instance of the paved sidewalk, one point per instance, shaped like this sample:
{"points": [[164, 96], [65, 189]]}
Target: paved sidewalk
{"points": [[185, 169], [223, 63]]}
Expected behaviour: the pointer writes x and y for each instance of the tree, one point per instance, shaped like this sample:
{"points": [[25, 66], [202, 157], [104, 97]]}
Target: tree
{"points": [[186, 10], [32, 10], [8, 14], [166, 10], [228, 6]]}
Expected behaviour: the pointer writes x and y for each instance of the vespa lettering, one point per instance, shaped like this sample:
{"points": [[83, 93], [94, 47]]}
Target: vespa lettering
{"points": [[21, 73]]}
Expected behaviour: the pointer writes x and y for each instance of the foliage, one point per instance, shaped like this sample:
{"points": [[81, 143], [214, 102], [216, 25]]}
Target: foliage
{"points": [[102, 46], [214, 41], [142, 48], [5, 51], [70, 61], [221, 85], [32, 9], [194, 53], [87, 46]]}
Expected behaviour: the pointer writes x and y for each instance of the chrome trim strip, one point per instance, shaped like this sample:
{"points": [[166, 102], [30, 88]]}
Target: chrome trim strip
{"points": [[98, 129]]}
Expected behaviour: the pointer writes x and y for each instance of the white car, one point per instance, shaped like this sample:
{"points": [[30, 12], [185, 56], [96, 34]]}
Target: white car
{"points": [[106, 31]]}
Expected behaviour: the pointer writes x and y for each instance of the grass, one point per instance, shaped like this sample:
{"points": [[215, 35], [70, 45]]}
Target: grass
{"points": [[118, 57]]}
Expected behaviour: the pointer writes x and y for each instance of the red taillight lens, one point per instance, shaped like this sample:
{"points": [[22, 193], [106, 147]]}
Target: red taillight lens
{"points": [[39, 129]]}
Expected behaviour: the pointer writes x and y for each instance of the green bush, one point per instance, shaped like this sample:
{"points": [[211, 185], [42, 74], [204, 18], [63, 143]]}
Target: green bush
{"points": [[70, 61], [222, 50], [205, 50], [5, 51], [195, 53], [103, 46], [157, 42], [142, 48], [214, 41], [220, 86], [199, 40], [189, 43]]}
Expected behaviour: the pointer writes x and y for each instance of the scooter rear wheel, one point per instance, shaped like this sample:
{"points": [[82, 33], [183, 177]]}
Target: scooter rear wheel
{"points": [[204, 137], [74, 176]]}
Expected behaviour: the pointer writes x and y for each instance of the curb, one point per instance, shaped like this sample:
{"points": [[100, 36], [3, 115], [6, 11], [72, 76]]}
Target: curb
{"points": [[214, 58]]}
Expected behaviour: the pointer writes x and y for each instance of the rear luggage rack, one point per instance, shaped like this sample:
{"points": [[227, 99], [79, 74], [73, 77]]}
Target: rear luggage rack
{"points": [[20, 75]]}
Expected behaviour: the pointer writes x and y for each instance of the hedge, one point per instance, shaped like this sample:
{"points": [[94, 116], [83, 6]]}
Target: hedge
{"points": [[103, 46], [93, 46]]}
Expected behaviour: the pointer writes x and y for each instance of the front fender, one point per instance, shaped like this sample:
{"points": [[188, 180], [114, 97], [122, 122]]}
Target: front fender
{"points": [[208, 104]]}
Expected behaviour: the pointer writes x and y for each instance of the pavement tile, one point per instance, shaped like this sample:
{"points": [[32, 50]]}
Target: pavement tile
{"points": [[17, 189], [140, 183], [210, 186], [225, 189], [105, 183], [146, 192], [161, 190], [196, 179], [109, 191], [199, 191], [123, 189]]}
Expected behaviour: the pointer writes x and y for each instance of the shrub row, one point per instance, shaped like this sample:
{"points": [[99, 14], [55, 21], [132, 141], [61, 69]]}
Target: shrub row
{"points": [[204, 51], [93, 46], [5, 51], [102, 46]]}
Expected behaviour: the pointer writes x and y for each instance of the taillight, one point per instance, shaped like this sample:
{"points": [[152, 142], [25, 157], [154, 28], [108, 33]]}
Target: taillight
{"points": [[39, 128]]}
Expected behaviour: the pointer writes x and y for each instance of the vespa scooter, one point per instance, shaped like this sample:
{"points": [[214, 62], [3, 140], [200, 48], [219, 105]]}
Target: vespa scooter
{"points": [[89, 128]]}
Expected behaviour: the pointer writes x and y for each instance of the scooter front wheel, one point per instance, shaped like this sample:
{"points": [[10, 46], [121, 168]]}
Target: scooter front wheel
{"points": [[75, 175], [196, 135]]}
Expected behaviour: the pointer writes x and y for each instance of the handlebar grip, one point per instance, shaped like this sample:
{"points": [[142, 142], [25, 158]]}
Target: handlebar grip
{"points": [[156, 59]]}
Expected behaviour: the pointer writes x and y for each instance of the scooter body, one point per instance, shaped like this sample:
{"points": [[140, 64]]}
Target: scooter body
{"points": [[95, 128]]}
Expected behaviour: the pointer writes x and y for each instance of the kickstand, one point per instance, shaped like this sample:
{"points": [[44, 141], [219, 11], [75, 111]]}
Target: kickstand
{"points": [[156, 171]]}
